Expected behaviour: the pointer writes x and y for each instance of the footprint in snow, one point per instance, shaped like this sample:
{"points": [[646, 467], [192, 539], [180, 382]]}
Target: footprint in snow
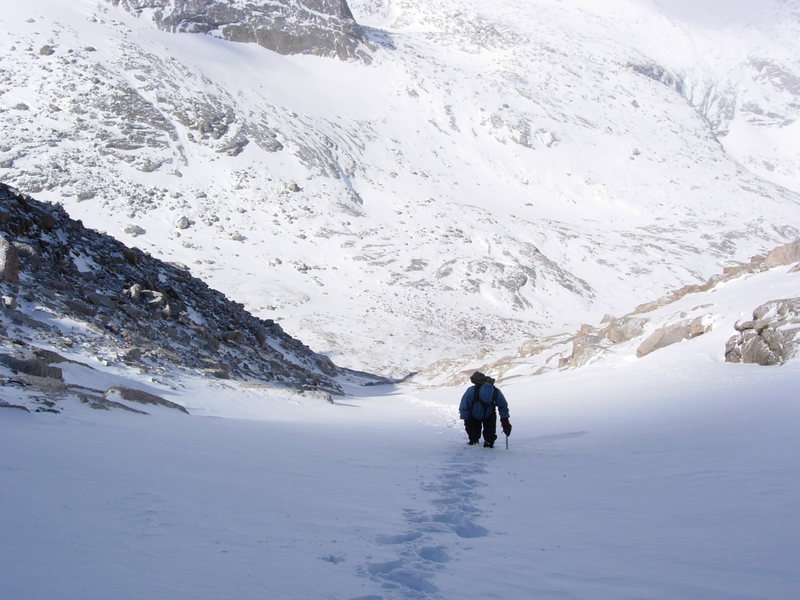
{"points": [[455, 504]]}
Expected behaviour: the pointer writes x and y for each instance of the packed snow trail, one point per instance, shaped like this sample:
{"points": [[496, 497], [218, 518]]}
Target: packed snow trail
{"points": [[613, 488]]}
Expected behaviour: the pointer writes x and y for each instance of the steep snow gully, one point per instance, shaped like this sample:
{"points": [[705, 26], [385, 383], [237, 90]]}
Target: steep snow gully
{"points": [[477, 188]]}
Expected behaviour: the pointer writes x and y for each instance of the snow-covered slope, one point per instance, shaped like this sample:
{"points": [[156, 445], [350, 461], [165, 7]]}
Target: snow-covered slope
{"points": [[662, 477], [498, 171]]}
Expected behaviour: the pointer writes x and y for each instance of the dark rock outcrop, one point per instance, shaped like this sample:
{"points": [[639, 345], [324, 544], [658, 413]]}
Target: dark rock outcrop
{"points": [[137, 309], [319, 27], [30, 366], [126, 394]]}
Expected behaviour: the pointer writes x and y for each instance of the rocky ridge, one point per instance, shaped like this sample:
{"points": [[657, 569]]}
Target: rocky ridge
{"points": [[66, 288], [319, 27], [771, 337]]}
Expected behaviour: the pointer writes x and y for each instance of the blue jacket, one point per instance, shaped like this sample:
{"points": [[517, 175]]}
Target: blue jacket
{"points": [[485, 407]]}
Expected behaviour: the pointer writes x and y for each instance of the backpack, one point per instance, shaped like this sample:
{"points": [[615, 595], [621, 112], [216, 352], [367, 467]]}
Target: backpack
{"points": [[487, 408]]}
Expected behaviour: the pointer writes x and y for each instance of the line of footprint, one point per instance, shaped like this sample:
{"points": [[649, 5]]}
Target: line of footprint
{"points": [[423, 550]]}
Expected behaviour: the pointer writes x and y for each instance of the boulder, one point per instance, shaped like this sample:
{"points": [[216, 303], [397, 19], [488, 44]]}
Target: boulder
{"points": [[783, 255], [772, 336], [79, 308], [135, 230], [31, 366], [9, 261], [622, 330], [126, 394], [4, 404], [584, 349], [672, 334]]}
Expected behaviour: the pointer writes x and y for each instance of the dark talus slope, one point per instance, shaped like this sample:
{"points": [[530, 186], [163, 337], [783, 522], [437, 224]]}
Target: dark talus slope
{"points": [[131, 307]]}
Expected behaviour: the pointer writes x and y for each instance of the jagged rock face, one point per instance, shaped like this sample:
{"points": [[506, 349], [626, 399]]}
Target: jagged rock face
{"points": [[319, 27], [135, 309], [771, 338]]}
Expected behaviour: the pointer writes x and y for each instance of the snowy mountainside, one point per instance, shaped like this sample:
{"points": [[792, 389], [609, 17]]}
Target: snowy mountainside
{"points": [[765, 332], [496, 173]]}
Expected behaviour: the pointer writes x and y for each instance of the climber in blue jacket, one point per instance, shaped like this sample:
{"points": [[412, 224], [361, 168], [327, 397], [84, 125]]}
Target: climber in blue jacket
{"points": [[478, 412]]}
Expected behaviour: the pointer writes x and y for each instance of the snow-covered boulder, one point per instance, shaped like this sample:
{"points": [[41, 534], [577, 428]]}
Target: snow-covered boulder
{"points": [[624, 329], [771, 338], [672, 334]]}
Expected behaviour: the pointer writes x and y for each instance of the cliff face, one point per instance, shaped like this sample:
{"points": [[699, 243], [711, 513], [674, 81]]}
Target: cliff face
{"points": [[318, 27]]}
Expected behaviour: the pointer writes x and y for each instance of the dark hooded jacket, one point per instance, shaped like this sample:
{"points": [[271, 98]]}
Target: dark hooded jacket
{"points": [[484, 406]]}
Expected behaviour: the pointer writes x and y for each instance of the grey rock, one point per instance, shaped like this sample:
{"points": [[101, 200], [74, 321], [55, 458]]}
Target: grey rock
{"points": [[783, 255], [100, 403], [135, 292], [31, 366], [101, 300], [126, 394], [9, 261], [4, 404], [183, 223], [80, 308], [622, 330], [319, 27], [47, 50], [672, 334], [584, 349], [771, 338], [135, 230], [133, 355]]}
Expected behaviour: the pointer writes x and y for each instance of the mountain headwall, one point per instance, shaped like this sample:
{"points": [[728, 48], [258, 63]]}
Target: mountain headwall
{"points": [[319, 27], [496, 173]]}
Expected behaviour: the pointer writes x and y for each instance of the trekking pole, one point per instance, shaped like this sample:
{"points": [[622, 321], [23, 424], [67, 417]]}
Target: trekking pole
{"points": [[506, 441]]}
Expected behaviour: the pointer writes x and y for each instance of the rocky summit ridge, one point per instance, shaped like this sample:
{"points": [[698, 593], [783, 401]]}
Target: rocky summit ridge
{"points": [[319, 27], [69, 289]]}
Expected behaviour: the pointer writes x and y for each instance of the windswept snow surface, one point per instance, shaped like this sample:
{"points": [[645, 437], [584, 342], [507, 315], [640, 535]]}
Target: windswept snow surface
{"points": [[669, 477]]}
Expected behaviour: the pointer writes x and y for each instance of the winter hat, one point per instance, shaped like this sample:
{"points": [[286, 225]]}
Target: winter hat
{"points": [[478, 378]]}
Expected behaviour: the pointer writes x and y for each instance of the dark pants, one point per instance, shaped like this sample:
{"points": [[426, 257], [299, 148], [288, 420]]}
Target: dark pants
{"points": [[489, 425]]}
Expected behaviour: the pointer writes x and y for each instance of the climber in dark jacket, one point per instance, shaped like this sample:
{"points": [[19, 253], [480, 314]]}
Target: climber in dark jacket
{"points": [[477, 410]]}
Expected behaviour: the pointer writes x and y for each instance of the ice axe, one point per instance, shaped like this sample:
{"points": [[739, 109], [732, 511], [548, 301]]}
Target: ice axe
{"points": [[506, 429]]}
